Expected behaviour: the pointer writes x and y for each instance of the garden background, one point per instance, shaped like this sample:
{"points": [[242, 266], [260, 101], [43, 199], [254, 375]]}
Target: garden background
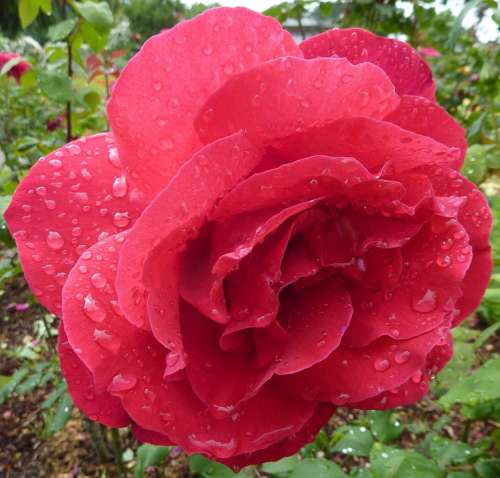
{"points": [[75, 50]]}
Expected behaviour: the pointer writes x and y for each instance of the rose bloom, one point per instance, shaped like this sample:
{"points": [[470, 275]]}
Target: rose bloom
{"points": [[17, 70], [269, 231]]}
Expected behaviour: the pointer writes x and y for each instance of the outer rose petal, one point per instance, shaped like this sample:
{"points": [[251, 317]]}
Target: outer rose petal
{"points": [[69, 199], [354, 374], [417, 386], [148, 436], [289, 445], [170, 78], [98, 406], [408, 71], [475, 215], [171, 220], [425, 117], [281, 96]]}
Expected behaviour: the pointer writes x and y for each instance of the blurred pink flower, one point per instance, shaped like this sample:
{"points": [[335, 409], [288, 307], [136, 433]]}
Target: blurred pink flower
{"points": [[430, 52], [17, 71]]}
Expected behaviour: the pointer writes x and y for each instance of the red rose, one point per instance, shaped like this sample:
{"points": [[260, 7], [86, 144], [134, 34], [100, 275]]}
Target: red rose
{"points": [[17, 70], [270, 230]]}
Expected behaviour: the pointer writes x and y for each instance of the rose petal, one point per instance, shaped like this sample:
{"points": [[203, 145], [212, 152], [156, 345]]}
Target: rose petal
{"points": [[300, 180], [421, 297], [371, 142], [289, 445], [98, 406], [148, 436], [231, 241], [220, 379], [315, 319], [278, 97], [425, 117], [69, 200], [408, 71], [170, 78], [170, 221], [354, 374], [416, 387]]}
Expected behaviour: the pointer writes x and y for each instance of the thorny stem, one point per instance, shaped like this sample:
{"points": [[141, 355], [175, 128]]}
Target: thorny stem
{"points": [[117, 452]]}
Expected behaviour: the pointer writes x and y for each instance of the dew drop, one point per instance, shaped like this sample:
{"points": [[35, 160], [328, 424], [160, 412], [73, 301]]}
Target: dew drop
{"points": [[50, 204], [122, 382], [381, 364], [120, 186], [98, 280], [402, 356], [74, 149], [121, 219], [443, 261], [41, 190], [424, 302], [107, 341], [93, 310], [113, 157], [55, 163], [54, 240]]}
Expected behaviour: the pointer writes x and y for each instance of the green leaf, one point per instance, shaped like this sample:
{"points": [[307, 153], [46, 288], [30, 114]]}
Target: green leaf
{"points": [[489, 410], [54, 395], [28, 11], [97, 41], [317, 468], [482, 385], [62, 30], [56, 85], [10, 386], [62, 414], [350, 440], [486, 334], [447, 452], [388, 462], [149, 455], [476, 163], [46, 6], [384, 426], [97, 14], [285, 465], [206, 468], [29, 384], [488, 468]]}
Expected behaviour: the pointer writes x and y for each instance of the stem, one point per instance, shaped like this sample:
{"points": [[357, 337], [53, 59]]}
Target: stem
{"points": [[465, 435], [117, 452], [301, 27], [98, 440], [50, 338], [69, 133]]}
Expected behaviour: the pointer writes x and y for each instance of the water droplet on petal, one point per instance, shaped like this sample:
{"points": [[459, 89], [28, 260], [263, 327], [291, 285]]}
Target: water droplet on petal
{"points": [[113, 157], [98, 280], [107, 341], [93, 310], [120, 186], [381, 364], [424, 301], [54, 240], [121, 219], [402, 356], [122, 382]]}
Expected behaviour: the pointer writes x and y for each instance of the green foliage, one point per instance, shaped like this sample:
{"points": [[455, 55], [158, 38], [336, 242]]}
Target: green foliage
{"points": [[149, 455]]}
